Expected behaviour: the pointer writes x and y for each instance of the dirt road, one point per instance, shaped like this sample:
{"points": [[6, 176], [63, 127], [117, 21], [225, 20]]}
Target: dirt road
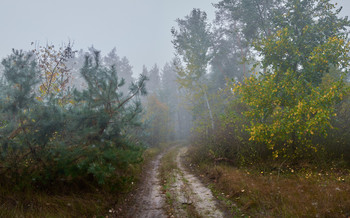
{"points": [[188, 196], [192, 192], [149, 200]]}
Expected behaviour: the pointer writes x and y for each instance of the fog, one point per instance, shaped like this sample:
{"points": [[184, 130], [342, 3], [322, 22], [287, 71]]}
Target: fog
{"points": [[139, 29]]}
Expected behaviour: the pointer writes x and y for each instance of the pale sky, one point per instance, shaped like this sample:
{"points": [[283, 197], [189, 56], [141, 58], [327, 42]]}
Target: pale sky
{"points": [[139, 29]]}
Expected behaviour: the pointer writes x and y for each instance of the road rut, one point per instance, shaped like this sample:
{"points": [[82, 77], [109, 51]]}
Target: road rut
{"points": [[149, 199], [190, 197]]}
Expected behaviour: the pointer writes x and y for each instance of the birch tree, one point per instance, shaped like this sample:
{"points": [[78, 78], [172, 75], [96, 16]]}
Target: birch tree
{"points": [[192, 42]]}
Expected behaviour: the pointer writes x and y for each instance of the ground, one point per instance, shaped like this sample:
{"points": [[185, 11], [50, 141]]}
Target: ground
{"points": [[168, 189]]}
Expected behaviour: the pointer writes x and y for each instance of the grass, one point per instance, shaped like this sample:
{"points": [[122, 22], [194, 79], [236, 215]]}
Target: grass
{"points": [[167, 176], [36, 204], [303, 192]]}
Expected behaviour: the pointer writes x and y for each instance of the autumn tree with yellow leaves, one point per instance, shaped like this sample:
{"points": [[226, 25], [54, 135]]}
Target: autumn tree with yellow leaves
{"points": [[288, 103]]}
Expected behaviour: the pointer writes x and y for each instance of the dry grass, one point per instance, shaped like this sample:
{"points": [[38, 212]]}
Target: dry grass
{"points": [[43, 205], [302, 193]]}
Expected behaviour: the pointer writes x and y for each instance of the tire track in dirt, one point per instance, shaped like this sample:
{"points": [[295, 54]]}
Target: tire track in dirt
{"points": [[191, 197], [186, 195], [196, 193], [149, 200]]}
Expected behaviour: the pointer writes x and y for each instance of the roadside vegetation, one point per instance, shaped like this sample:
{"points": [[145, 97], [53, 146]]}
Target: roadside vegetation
{"points": [[66, 152], [270, 131], [272, 191], [76, 131]]}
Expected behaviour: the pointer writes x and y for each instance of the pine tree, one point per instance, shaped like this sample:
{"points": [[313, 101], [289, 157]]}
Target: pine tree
{"points": [[45, 143], [154, 80]]}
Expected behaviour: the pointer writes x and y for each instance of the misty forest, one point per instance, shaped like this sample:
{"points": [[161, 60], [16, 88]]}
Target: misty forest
{"points": [[250, 118]]}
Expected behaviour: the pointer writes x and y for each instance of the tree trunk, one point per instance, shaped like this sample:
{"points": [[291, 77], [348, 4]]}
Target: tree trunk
{"points": [[209, 109]]}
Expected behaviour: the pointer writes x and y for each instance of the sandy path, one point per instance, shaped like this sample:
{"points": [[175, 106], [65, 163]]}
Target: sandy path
{"points": [[196, 193], [149, 199]]}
